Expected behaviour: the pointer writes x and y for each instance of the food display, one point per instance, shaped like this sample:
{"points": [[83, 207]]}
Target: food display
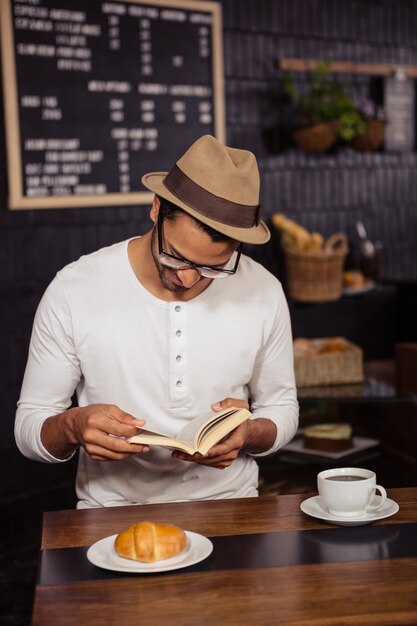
{"points": [[313, 347], [150, 542], [330, 437], [355, 279], [313, 265], [327, 361]]}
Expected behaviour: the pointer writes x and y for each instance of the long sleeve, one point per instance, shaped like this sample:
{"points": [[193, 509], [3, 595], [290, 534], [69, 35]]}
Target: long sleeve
{"points": [[52, 373], [272, 386]]}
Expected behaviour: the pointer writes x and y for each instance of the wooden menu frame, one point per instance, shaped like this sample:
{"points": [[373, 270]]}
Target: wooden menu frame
{"points": [[16, 197]]}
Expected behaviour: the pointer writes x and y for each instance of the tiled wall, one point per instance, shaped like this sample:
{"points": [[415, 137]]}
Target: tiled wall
{"points": [[327, 193]]}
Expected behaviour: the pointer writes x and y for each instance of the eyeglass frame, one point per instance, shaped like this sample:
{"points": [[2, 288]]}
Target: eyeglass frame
{"points": [[223, 273]]}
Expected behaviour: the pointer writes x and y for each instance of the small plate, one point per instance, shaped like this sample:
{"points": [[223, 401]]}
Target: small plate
{"points": [[102, 554], [359, 443], [353, 291], [313, 507]]}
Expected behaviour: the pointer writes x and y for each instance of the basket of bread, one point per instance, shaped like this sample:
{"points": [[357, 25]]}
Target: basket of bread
{"points": [[314, 266], [327, 361]]}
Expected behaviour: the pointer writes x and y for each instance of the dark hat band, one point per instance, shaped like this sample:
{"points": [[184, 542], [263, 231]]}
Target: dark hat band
{"points": [[211, 206]]}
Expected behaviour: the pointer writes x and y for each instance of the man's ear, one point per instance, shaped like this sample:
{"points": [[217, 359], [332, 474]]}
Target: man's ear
{"points": [[154, 210]]}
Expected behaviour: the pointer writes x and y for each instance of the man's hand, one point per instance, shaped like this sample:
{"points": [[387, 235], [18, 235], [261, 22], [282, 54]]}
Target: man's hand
{"points": [[254, 435], [226, 451], [99, 428]]}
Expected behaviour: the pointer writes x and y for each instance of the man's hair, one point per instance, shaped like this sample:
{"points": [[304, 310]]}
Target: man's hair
{"points": [[170, 211]]}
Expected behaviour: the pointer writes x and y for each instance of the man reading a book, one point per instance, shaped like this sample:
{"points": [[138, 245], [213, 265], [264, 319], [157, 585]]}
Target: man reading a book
{"points": [[157, 330]]}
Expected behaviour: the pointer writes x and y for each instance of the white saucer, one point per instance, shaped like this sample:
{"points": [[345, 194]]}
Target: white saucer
{"points": [[312, 506], [103, 554]]}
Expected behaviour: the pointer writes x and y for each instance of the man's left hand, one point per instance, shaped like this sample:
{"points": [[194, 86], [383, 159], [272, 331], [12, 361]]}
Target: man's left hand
{"points": [[226, 451]]}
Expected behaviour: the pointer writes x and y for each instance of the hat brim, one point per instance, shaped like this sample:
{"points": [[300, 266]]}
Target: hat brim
{"points": [[154, 181]]}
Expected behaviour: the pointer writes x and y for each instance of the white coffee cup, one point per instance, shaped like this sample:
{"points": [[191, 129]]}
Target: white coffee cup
{"points": [[348, 491]]}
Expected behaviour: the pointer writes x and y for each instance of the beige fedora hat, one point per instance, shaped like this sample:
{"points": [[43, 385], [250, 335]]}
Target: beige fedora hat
{"points": [[217, 185]]}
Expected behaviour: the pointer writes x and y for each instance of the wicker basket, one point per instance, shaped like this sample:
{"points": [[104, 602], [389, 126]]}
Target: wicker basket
{"points": [[349, 390], [372, 138], [330, 368], [316, 276], [316, 138]]}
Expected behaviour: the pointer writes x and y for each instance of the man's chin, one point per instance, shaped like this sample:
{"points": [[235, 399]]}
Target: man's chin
{"points": [[175, 288], [169, 281]]}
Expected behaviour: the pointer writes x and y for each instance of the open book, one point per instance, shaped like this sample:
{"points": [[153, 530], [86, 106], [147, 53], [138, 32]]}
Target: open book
{"points": [[199, 435]]}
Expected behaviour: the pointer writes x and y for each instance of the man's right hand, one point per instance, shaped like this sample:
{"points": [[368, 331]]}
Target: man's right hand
{"points": [[99, 428]]}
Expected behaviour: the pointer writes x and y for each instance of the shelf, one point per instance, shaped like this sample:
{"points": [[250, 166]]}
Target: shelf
{"points": [[348, 67], [369, 320]]}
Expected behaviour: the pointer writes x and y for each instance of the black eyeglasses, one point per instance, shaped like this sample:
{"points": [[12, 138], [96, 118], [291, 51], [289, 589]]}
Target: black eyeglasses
{"points": [[208, 271]]}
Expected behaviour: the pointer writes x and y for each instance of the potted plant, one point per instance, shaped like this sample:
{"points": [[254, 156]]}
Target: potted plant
{"points": [[324, 113], [375, 122]]}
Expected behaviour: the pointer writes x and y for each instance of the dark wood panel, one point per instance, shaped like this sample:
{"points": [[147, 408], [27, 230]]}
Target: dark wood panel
{"points": [[211, 517], [366, 593], [325, 594]]}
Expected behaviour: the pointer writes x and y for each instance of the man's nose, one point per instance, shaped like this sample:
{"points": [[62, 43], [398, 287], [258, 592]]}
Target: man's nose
{"points": [[189, 276]]}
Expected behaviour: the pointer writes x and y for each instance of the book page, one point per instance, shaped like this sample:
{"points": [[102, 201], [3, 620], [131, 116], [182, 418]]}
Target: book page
{"points": [[218, 419], [222, 428], [190, 433], [149, 438]]}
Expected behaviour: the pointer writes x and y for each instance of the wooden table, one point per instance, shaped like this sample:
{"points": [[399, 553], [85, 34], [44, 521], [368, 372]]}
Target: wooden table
{"points": [[379, 590]]}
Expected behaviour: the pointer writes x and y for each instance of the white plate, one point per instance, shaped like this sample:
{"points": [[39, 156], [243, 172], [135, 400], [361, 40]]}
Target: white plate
{"points": [[313, 507], [359, 443], [353, 291], [103, 554]]}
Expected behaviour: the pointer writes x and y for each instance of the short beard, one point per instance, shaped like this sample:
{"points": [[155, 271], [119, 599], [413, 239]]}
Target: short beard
{"points": [[164, 271]]}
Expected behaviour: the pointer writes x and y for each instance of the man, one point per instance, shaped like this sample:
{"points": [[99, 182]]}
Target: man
{"points": [[163, 328]]}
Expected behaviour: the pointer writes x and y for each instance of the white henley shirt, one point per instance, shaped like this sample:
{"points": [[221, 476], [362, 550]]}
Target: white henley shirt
{"points": [[99, 331]]}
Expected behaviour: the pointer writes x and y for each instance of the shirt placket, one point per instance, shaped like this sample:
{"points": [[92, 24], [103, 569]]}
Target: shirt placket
{"points": [[178, 379]]}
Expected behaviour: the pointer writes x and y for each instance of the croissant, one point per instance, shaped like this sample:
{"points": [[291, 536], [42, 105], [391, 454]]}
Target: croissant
{"points": [[150, 542]]}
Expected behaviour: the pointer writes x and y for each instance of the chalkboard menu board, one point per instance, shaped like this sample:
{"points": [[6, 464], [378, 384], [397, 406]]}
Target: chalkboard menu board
{"points": [[98, 93]]}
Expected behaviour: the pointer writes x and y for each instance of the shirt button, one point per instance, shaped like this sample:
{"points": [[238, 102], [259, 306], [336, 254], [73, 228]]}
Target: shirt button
{"points": [[178, 357], [179, 383], [178, 308], [178, 333]]}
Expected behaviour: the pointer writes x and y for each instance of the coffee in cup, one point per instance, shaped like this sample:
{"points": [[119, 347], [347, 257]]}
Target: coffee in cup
{"points": [[348, 491]]}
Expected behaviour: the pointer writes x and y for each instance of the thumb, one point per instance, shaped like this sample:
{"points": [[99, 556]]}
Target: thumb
{"points": [[137, 422], [227, 403], [128, 419]]}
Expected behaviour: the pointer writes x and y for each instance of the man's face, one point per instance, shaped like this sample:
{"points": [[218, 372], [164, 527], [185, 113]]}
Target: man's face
{"points": [[182, 237]]}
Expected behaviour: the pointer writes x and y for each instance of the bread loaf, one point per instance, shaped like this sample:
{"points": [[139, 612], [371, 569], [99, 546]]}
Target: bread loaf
{"points": [[333, 345], [314, 347], [150, 541], [296, 235], [304, 347]]}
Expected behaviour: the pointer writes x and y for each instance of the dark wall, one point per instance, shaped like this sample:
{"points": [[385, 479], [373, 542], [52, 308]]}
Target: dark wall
{"points": [[325, 193]]}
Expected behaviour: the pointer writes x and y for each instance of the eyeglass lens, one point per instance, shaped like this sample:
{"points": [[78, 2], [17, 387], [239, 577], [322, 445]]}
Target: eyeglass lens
{"points": [[208, 272]]}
